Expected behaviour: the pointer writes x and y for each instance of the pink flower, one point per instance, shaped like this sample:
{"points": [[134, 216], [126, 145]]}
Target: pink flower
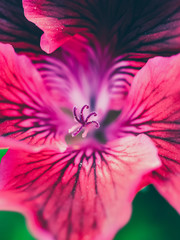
{"points": [[81, 133], [82, 192]]}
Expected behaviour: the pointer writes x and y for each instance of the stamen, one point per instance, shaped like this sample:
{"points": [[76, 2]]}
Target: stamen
{"points": [[91, 114], [97, 125], [82, 110], [84, 134], [75, 115], [75, 130]]}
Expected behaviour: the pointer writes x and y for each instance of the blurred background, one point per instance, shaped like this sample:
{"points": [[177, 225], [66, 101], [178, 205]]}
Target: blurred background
{"points": [[152, 219]]}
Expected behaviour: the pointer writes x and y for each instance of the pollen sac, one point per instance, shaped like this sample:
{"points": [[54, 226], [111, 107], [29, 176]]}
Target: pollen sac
{"points": [[83, 122]]}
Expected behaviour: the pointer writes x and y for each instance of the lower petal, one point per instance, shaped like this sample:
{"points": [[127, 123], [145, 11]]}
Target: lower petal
{"points": [[83, 193]]}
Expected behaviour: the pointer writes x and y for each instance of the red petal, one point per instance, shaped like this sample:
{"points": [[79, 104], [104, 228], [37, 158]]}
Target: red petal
{"points": [[153, 108], [26, 110], [82, 193]]}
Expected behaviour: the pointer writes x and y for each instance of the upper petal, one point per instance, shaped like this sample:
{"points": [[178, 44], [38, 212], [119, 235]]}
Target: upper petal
{"points": [[83, 193], [153, 108], [52, 17], [27, 111], [127, 26]]}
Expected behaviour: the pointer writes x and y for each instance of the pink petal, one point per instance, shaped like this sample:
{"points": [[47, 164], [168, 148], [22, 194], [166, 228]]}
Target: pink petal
{"points": [[6, 142], [83, 193], [120, 76], [125, 26], [26, 110], [153, 108], [52, 18]]}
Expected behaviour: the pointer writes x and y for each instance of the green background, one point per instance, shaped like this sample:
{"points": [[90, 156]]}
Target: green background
{"points": [[152, 219]]}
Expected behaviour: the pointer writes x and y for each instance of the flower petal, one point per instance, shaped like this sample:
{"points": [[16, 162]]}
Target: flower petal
{"points": [[83, 193], [153, 108], [26, 110], [128, 26], [53, 17], [120, 76]]}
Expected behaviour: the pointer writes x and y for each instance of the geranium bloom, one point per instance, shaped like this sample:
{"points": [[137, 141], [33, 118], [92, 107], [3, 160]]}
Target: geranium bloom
{"points": [[82, 131]]}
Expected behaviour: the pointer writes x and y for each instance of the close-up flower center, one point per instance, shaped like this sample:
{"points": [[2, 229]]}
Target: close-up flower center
{"points": [[83, 122]]}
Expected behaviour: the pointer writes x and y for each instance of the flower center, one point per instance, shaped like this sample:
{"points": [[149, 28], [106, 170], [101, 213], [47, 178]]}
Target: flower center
{"points": [[83, 122]]}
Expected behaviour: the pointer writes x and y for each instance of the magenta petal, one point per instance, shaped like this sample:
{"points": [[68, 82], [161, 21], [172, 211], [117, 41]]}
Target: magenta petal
{"points": [[27, 112], [153, 108], [79, 194]]}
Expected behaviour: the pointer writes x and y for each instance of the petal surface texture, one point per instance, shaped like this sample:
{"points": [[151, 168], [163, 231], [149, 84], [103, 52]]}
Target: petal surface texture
{"points": [[153, 108], [133, 25], [27, 111], [82, 193]]}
